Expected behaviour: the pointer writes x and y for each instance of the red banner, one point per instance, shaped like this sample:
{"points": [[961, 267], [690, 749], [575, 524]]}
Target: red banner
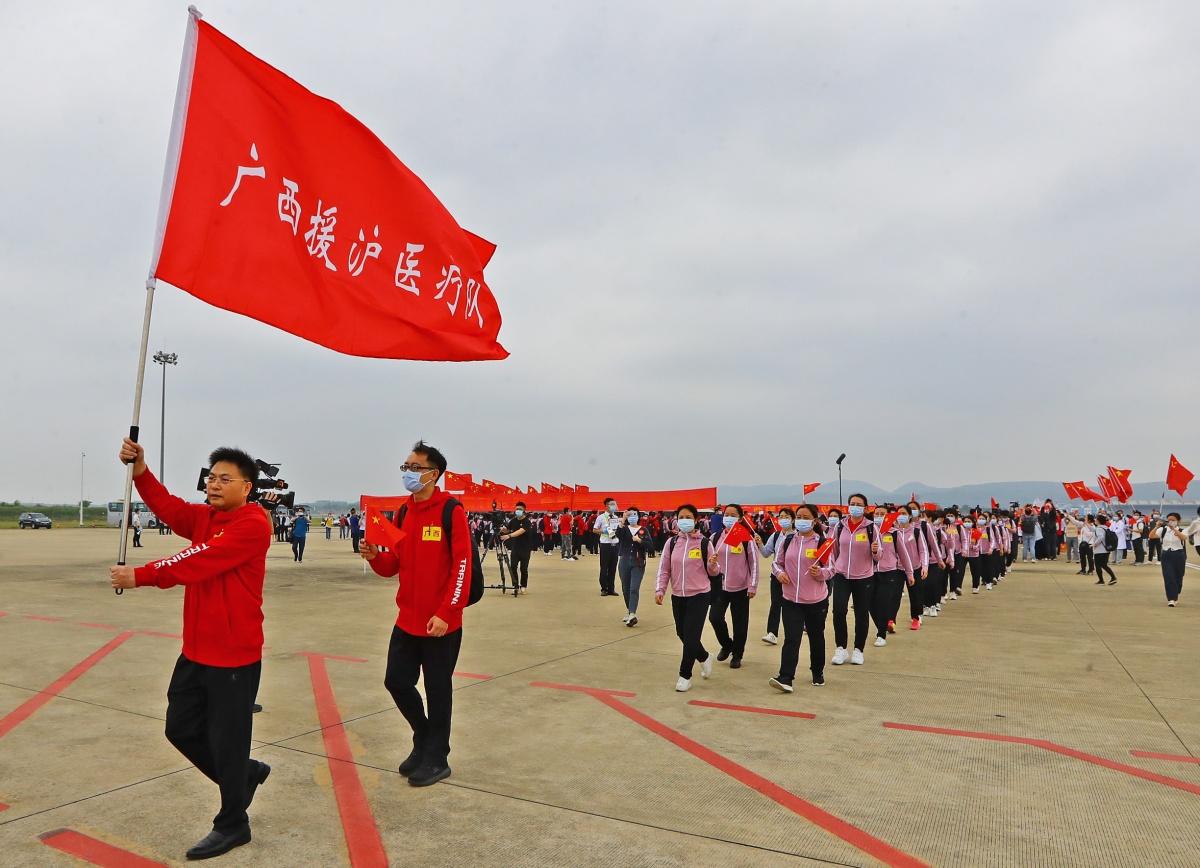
{"points": [[281, 206], [1178, 477]]}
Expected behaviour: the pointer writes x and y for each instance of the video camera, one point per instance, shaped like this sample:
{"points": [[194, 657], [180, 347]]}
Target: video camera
{"points": [[265, 482]]}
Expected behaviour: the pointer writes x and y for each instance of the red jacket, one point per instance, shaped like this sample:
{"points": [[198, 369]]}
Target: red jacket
{"points": [[564, 524], [435, 578], [222, 573]]}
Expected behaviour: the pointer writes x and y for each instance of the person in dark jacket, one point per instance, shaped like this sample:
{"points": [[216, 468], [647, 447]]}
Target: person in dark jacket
{"points": [[1049, 522]]}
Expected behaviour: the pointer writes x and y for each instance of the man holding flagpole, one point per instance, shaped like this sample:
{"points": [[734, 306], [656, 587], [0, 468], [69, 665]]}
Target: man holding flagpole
{"points": [[213, 687]]}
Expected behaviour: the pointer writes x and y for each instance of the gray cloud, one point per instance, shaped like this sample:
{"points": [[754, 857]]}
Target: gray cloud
{"points": [[733, 242]]}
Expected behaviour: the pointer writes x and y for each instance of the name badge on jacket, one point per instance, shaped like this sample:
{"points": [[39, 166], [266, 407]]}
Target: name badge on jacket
{"points": [[860, 537], [811, 554], [887, 538], [431, 533], [737, 550], [694, 554]]}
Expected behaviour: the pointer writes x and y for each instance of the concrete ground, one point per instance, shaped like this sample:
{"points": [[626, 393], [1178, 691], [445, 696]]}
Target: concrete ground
{"points": [[1023, 713]]}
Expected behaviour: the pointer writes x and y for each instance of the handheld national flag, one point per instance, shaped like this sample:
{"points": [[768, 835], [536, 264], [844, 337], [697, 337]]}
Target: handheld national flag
{"points": [[1178, 476], [380, 530], [824, 552], [889, 521], [976, 535], [1106, 488], [738, 534], [1120, 481], [810, 487], [279, 205], [995, 505]]}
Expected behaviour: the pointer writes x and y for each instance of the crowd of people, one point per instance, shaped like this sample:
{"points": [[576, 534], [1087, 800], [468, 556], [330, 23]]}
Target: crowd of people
{"points": [[866, 560]]}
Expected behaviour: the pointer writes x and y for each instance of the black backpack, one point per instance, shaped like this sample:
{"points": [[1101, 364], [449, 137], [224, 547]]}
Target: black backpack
{"points": [[1110, 539], [1028, 524], [476, 592], [787, 542], [703, 547]]}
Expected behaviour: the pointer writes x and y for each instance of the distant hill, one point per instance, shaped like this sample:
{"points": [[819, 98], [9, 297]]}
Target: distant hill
{"points": [[964, 495]]}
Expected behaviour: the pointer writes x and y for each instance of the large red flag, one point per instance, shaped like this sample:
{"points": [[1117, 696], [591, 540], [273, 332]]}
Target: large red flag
{"points": [[1106, 487], [810, 487], [1178, 476], [1120, 481], [279, 205], [1086, 493], [457, 481]]}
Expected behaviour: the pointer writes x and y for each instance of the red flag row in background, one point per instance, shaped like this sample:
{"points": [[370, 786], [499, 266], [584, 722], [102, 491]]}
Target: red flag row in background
{"points": [[1115, 484]]}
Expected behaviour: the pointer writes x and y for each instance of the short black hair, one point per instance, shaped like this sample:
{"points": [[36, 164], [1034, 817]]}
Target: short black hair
{"points": [[1178, 517], [432, 454], [689, 508], [863, 497], [737, 507], [609, 500], [245, 464], [520, 503]]}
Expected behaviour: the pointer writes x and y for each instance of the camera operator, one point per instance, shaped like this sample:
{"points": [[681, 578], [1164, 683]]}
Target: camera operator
{"points": [[216, 677], [518, 534]]}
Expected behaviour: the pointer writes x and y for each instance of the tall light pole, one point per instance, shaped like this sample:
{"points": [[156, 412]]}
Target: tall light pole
{"points": [[164, 359], [839, 461], [82, 455]]}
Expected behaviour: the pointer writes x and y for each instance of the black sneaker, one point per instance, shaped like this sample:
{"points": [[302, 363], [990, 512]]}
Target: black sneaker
{"points": [[429, 774], [1101, 582], [1112, 582], [724, 655], [818, 679], [411, 764], [735, 663]]}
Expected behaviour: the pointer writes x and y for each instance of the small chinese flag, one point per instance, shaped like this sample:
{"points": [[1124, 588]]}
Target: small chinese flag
{"points": [[738, 534], [1178, 477], [810, 487], [824, 552], [994, 504], [380, 530], [889, 522], [457, 481], [1072, 491], [976, 535], [1120, 481]]}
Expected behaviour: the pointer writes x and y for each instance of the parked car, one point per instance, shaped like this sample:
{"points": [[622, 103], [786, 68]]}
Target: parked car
{"points": [[34, 520]]}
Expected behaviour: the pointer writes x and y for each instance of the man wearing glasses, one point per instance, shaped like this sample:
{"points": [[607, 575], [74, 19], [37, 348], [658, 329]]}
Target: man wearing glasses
{"points": [[216, 677], [433, 562]]}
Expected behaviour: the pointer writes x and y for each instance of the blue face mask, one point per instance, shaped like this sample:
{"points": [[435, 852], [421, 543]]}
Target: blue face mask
{"points": [[834, 520], [878, 520], [729, 521], [687, 525], [857, 511], [902, 519], [520, 513], [633, 518], [612, 508], [412, 480], [785, 524], [968, 524], [804, 525]]}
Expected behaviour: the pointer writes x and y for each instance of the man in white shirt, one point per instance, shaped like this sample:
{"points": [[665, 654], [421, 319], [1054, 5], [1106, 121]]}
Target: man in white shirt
{"points": [[606, 526]]}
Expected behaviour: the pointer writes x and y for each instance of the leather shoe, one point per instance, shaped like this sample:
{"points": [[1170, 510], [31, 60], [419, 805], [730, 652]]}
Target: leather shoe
{"points": [[217, 843], [258, 776], [735, 663], [428, 774], [723, 655], [411, 764]]}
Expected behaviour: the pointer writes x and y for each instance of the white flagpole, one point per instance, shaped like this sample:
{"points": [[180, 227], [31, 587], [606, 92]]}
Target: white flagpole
{"points": [[182, 93]]}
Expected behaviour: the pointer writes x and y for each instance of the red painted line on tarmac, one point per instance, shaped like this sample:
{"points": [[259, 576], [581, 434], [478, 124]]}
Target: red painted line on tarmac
{"points": [[42, 618], [3, 807], [1170, 757], [160, 635], [473, 675], [593, 691], [753, 709], [852, 835], [98, 626], [95, 851], [1063, 750], [358, 823], [11, 720]]}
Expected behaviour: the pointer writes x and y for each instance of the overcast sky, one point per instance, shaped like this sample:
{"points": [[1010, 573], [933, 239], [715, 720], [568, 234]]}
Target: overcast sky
{"points": [[956, 241]]}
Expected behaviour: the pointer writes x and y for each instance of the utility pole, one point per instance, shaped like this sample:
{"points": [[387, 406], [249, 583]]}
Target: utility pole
{"points": [[163, 358], [82, 455]]}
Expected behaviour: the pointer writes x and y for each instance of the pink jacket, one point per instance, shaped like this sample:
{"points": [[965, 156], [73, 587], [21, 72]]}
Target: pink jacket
{"points": [[795, 562], [988, 541], [957, 538], [914, 546], [948, 543], [932, 543], [683, 567], [852, 551], [738, 564], [893, 556]]}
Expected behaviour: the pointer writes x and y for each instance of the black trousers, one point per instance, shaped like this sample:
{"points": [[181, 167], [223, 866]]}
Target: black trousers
{"points": [[935, 585], [773, 613], [1174, 565], [689, 615], [863, 592], [887, 589], [1139, 550], [978, 570], [519, 561], [959, 573], [798, 619], [997, 565], [916, 595], [1155, 550], [1101, 559], [433, 657], [608, 568], [738, 604], [209, 721], [298, 547], [1086, 562], [354, 538]]}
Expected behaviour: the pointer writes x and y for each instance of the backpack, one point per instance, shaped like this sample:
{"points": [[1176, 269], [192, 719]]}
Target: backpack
{"points": [[788, 541], [703, 547], [476, 592], [1028, 524], [1110, 539]]}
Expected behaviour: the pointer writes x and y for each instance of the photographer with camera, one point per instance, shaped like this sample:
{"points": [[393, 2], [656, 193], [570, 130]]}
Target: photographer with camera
{"points": [[216, 677], [518, 535]]}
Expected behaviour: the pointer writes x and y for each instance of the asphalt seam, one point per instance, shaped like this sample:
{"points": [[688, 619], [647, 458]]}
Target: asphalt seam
{"points": [[82, 701]]}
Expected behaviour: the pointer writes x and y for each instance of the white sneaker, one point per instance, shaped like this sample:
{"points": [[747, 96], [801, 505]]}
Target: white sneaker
{"points": [[683, 685], [771, 639], [706, 666], [933, 612], [925, 612], [880, 641], [628, 615], [1171, 603], [974, 590], [839, 657], [780, 686], [988, 586], [856, 657]]}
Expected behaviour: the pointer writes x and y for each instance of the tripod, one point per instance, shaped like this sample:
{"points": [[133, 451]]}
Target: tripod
{"points": [[502, 560]]}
